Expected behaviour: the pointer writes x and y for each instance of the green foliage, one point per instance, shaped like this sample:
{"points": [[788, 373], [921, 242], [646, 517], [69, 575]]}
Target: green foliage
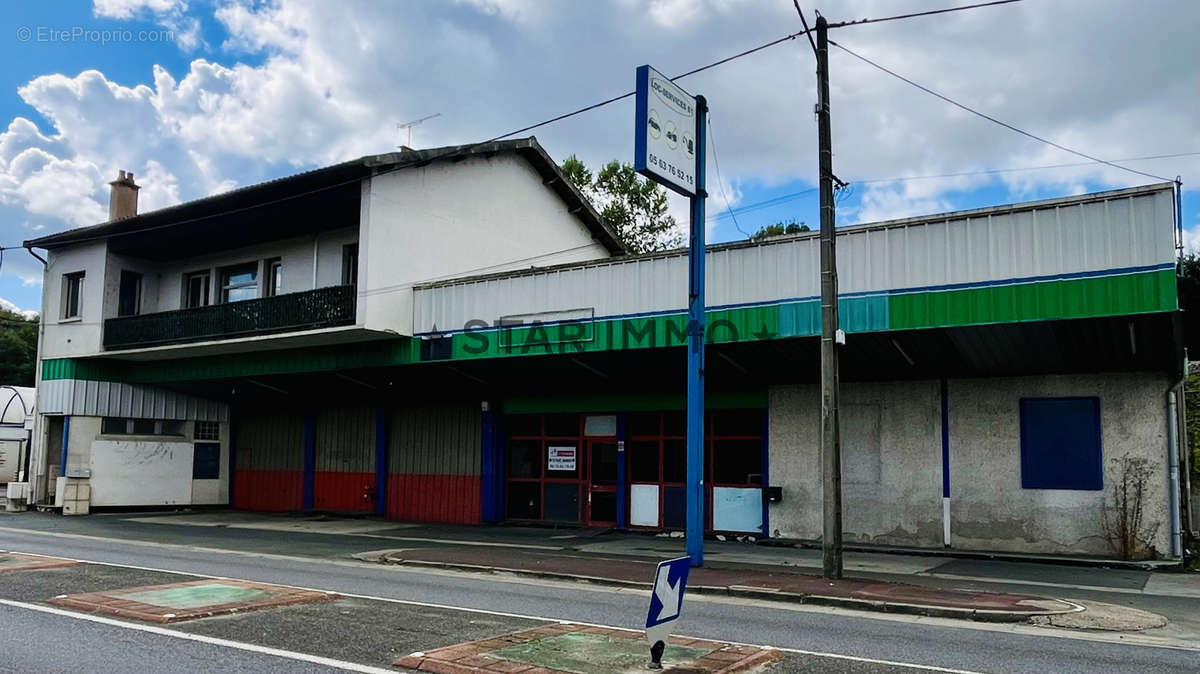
{"points": [[18, 348], [634, 208], [1188, 282], [779, 229]]}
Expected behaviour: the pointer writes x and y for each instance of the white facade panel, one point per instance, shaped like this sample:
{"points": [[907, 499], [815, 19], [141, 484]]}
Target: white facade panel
{"points": [[137, 472], [1116, 231], [135, 401]]}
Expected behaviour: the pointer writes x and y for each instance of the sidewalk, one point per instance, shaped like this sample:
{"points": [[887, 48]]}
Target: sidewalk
{"points": [[919, 582], [778, 585]]}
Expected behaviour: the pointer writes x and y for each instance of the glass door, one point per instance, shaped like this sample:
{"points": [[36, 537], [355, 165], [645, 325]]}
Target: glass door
{"points": [[602, 482]]}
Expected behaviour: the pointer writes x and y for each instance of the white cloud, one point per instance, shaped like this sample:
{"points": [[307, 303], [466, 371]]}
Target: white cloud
{"points": [[170, 14], [11, 306], [333, 79]]}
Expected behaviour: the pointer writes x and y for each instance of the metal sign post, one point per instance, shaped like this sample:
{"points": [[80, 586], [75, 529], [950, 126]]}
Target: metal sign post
{"points": [[669, 135]]}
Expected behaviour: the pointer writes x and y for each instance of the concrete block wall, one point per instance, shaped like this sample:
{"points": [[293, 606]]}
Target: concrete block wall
{"points": [[892, 464]]}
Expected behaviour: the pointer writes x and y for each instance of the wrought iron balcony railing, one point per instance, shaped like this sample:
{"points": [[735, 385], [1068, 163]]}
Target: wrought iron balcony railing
{"points": [[320, 308]]}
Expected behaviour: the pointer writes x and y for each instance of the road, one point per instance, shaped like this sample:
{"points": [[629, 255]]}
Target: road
{"points": [[824, 639]]}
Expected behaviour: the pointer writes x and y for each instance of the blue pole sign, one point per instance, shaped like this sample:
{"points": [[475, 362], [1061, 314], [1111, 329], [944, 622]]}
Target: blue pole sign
{"points": [[666, 601], [669, 132]]}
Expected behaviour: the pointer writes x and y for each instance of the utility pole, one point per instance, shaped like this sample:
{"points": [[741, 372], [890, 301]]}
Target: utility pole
{"points": [[831, 443]]}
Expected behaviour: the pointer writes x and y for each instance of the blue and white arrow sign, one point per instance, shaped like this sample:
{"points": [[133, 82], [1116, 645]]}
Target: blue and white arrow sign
{"points": [[670, 580]]}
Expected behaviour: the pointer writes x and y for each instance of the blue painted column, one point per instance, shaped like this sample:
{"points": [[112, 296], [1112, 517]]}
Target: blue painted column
{"points": [[381, 460], [310, 458], [232, 454], [945, 389], [766, 473], [622, 476], [695, 382], [491, 475], [62, 468]]}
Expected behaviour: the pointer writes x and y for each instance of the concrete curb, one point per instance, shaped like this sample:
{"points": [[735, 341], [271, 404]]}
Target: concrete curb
{"points": [[768, 594]]}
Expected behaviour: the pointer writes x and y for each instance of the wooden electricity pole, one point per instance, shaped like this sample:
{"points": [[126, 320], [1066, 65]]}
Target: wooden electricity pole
{"points": [[831, 444]]}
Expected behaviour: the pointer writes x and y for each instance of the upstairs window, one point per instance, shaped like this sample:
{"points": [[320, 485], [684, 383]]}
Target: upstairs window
{"points": [[274, 276], [72, 295], [196, 289], [129, 298], [1060, 444], [239, 283], [350, 264]]}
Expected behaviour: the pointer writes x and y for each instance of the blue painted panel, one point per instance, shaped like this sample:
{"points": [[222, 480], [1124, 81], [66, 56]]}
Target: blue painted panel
{"points": [[381, 460], [310, 459], [1060, 444], [206, 461]]}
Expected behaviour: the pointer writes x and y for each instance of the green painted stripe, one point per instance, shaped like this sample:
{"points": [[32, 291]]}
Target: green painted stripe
{"points": [[1077, 298], [1144, 292]]}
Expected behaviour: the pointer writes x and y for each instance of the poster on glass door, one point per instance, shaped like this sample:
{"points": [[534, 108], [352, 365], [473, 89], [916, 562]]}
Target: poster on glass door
{"points": [[561, 458]]}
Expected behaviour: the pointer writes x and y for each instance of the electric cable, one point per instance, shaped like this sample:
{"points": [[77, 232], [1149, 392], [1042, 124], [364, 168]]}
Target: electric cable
{"points": [[914, 15], [712, 140], [991, 118]]}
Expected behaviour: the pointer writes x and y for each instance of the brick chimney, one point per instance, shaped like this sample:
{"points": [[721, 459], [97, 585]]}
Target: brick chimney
{"points": [[122, 202]]}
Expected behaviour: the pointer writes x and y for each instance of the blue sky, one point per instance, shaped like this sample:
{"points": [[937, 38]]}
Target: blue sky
{"points": [[199, 96]]}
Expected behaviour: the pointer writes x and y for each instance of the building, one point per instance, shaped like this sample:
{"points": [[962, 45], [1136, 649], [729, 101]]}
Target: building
{"points": [[454, 336]]}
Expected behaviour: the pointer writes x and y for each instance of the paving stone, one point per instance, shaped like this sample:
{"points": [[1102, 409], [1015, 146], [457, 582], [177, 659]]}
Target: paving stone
{"points": [[189, 600]]}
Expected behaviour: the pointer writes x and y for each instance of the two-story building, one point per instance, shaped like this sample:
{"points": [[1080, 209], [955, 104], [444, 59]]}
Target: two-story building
{"points": [[453, 335]]}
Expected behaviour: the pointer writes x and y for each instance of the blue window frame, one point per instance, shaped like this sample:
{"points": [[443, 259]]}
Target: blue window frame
{"points": [[1060, 444]]}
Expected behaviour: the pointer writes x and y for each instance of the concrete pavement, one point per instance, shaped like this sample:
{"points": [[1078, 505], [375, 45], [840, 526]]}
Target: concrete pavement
{"points": [[818, 639]]}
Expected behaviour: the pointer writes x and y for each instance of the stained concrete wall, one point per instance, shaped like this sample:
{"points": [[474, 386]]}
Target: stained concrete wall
{"points": [[892, 468], [891, 462], [990, 511]]}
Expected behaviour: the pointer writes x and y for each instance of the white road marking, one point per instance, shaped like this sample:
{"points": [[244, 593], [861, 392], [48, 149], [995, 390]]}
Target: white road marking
{"points": [[214, 641], [1124, 638]]}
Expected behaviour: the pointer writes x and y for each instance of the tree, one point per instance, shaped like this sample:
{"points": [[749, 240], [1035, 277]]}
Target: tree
{"points": [[18, 348], [778, 229], [634, 208]]}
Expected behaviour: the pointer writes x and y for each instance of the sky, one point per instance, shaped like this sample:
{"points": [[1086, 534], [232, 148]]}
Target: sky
{"points": [[197, 97]]}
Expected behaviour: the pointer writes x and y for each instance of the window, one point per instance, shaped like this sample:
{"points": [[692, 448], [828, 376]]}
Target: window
{"points": [[196, 289], [206, 461], [72, 295], [207, 430], [274, 272], [1060, 444], [123, 426], [350, 264], [129, 298], [239, 283]]}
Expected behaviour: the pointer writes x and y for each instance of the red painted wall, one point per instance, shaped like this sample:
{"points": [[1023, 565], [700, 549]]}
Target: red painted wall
{"points": [[344, 491], [268, 490], [434, 498]]}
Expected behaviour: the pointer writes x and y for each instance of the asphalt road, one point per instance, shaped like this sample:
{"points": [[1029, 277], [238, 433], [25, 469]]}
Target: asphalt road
{"points": [[909, 641]]}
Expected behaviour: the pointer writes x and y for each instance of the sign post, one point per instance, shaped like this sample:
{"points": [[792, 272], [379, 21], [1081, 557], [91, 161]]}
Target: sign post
{"points": [[666, 602], [669, 146]]}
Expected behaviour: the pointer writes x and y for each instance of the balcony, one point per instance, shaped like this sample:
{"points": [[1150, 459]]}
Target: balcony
{"points": [[313, 309]]}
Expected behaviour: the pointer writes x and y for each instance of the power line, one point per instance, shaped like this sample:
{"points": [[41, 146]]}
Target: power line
{"points": [[804, 22], [860, 22], [721, 181], [993, 119]]}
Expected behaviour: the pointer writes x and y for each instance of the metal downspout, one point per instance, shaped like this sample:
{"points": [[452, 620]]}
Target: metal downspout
{"points": [[1173, 472]]}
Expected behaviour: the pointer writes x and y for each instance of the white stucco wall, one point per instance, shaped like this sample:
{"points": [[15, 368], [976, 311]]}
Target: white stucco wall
{"points": [[454, 219], [73, 337], [891, 444]]}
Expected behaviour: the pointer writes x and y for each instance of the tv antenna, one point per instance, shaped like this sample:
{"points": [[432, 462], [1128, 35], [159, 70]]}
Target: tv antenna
{"points": [[408, 126]]}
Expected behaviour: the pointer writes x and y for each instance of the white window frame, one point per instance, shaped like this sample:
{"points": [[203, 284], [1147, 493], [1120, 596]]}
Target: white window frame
{"points": [[75, 278]]}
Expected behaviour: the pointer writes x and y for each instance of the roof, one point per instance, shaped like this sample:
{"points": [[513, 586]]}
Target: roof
{"points": [[16, 403], [340, 180], [1021, 207]]}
